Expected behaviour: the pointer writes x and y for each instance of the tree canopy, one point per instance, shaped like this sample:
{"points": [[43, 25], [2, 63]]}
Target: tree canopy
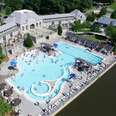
{"points": [[48, 6], [103, 11], [78, 26], [95, 27], [113, 15], [91, 17], [59, 29], [14, 4], [28, 41], [105, 1], [51, 6], [111, 32]]}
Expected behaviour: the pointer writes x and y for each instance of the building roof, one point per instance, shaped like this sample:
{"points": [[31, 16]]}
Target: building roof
{"points": [[7, 26], [22, 16], [28, 16], [74, 14], [107, 21]]}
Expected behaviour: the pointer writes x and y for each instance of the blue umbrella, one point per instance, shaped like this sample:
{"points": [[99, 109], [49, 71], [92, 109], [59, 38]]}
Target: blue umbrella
{"points": [[13, 63], [72, 75], [55, 45]]}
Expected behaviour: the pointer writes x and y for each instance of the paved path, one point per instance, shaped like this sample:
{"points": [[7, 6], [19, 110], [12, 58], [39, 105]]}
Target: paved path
{"points": [[28, 107], [94, 33]]}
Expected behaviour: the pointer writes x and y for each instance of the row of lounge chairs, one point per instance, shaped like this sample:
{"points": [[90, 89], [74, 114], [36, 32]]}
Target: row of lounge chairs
{"points": [[102, 47], [64, 98]]}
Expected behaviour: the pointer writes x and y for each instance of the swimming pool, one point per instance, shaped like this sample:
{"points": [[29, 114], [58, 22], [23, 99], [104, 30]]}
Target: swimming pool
{"points": [[40, 76]]}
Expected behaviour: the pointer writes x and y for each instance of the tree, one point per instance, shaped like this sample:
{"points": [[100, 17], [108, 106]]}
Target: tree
{"points": [[1, 21], [2, 56], [1, 51], [113, 15], [48, 6], [103, 11], [8, 10], [105, 1], [95, 28], [28, 41], [111, 32], [86, 4], [14, 4], [51, 6], [32, 5], [59, 29], [91, 17], [70, 5], [77, 26]]}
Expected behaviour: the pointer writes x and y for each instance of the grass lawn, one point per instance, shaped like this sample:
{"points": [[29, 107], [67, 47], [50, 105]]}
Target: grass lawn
{"points": [[113, 6], [91, 37], [2, 13], [4, 107], [84, 30]]}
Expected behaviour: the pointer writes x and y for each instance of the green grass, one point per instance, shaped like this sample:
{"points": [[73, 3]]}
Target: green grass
{"points": [[4, 107], [2, 13], [91, 37], [113, 6], [114, 49], [84, 30]]}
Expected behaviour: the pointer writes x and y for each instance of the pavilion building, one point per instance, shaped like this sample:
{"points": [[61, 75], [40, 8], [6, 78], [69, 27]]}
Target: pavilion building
{"points": [[22, 21]]}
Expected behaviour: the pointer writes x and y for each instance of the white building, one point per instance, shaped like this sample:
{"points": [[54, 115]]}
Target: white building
{"points": [[22, 21]]}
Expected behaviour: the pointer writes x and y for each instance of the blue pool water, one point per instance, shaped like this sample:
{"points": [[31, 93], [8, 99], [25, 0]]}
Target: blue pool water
{"points": [[78, 52], [36, 67]]}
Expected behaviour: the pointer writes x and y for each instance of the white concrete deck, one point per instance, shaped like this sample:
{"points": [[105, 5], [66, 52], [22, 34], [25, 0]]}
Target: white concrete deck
{"points": [[28, 107]]}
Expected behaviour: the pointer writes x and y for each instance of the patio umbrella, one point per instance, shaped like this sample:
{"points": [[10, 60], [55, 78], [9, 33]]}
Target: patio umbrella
{"points": [[13, 63], [2, 86], [11, 68], [55, 45], [16, 102], [72, 75]]}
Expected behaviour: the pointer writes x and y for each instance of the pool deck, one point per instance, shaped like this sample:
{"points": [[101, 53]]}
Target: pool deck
{"points": [[28, 107], [79, 93]]}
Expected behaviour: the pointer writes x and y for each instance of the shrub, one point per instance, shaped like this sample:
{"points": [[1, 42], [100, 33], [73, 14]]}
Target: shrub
{"points": [[103, 11], [91, 17], [95, 28], [113, 15], [111, 32], [59, 29], [28, 41]]}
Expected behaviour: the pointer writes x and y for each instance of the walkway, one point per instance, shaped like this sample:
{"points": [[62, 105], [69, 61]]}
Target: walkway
{"points": [[93, 33]]}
